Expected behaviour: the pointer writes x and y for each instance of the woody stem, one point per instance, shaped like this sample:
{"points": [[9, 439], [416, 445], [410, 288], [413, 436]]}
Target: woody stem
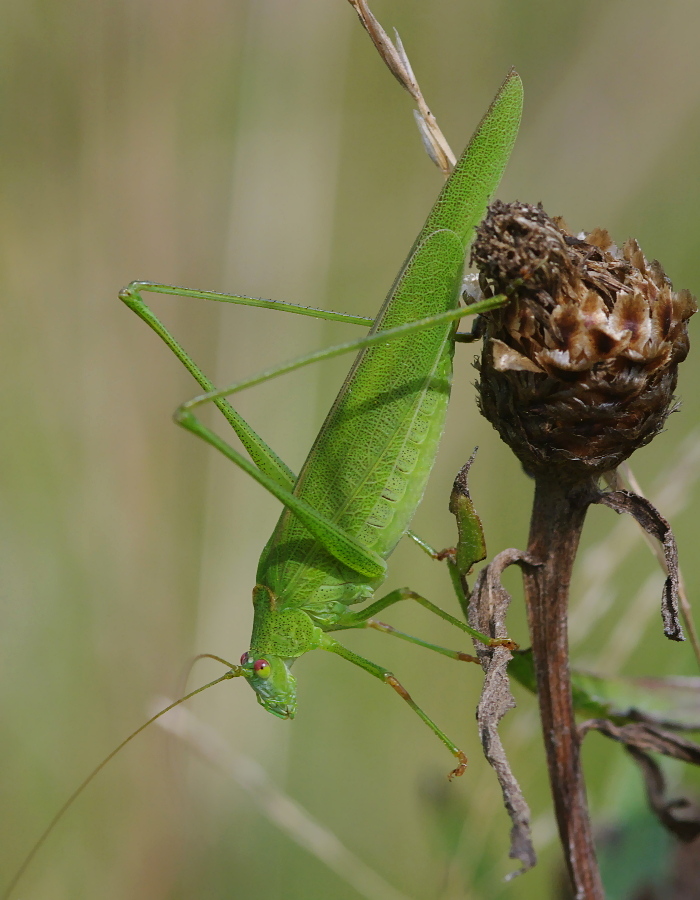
{"points": [[557, 520]]}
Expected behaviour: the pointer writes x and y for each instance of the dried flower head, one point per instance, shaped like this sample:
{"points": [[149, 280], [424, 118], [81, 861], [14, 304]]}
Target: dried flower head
{"points": [[578, 369]]}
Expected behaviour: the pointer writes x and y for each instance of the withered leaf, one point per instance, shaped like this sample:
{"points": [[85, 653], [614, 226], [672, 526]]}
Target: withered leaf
{"points": [[651, 520], [679, 815], [487, 612]]}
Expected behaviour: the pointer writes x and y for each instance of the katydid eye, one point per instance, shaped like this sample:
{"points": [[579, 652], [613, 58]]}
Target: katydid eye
{"points": [[262, 668], [244, 659]]}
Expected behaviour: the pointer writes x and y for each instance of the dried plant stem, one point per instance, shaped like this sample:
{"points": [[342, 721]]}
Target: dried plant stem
{"points": [[557, 520], [397, 62]]}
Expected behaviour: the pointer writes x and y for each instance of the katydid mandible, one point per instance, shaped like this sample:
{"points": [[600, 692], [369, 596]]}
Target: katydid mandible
{"points": [[366, 472]]}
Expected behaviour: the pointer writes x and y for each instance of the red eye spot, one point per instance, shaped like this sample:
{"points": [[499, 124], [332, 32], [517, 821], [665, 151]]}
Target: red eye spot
{"points": [[244, 659], [262, 668]]}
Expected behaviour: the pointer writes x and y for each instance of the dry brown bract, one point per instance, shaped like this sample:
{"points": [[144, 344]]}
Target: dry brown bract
{"points": [[579, 369]]}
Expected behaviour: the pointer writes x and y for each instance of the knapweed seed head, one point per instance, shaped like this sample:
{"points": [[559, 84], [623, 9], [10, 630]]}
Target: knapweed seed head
{"points": [[578, 369]]}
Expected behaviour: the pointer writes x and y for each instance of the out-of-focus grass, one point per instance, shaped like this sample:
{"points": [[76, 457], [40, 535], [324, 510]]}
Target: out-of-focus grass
{"points": [[261, 147]]}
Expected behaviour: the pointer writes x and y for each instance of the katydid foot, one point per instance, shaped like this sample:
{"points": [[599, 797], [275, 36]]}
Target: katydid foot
{"points": [[454, 750]]}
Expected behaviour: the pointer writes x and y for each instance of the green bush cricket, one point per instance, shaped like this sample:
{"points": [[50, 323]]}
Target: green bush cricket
{"points": [[366, 472]]}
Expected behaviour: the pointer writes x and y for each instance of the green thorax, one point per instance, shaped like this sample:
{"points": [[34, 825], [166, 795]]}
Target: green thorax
{"points": [[280, 632]]}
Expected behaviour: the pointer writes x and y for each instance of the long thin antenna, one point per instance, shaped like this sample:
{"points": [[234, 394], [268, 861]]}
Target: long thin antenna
{"points": [[234, 673]]}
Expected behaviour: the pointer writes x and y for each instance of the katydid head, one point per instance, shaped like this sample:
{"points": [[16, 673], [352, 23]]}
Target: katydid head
{"points": [[273, 683]]}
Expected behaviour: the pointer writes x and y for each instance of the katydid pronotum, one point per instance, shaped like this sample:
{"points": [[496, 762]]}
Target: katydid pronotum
{"points": [[366, 472]]}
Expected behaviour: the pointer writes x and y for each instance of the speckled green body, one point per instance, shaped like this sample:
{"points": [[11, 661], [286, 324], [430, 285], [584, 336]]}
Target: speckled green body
{"points": [[367, 470], [368, 467]]}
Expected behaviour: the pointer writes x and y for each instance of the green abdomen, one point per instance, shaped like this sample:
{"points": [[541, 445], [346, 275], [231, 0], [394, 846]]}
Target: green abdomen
{"points": [[369, 465]]}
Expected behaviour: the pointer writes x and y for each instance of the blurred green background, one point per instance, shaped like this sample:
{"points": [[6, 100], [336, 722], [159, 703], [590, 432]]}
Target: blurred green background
{"points": [[261, 147]]}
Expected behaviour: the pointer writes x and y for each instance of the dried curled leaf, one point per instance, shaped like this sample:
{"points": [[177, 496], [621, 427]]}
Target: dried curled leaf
{"points": [[487, 611], [680, 816], [651, 520]]}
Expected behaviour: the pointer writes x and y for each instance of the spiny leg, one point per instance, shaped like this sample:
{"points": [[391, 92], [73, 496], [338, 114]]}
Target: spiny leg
{"points": [[451, 556], [262, 455], [451, 654], [267, 468], [344, 547], [430, 551], [241, 300], [357, 619], [390, 679]]}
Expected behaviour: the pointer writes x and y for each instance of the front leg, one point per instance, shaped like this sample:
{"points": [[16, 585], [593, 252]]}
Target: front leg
{"points": [[359, 619], [451, 654]]}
